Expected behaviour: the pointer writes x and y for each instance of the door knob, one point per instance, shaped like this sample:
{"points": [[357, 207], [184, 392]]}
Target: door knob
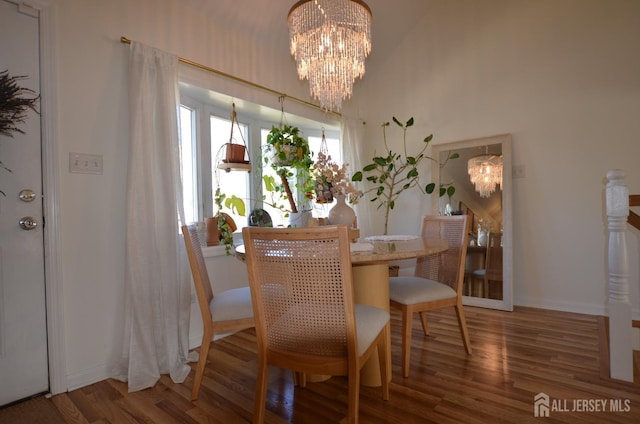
{"points": [[28, 223], [27, 195]]}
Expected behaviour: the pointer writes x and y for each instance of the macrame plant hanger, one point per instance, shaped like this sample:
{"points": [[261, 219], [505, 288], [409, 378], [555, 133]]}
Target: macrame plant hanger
{"points": [[236, 155], [282, 172], [283, 118], [323, 187]]}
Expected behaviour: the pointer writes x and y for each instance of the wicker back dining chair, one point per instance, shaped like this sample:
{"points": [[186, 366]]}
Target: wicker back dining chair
{"points": [[227, 311], [306, 320], [437, 281]]}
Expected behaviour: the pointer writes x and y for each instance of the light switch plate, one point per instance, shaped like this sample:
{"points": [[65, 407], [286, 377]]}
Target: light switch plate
{"points": [[81, 163], [518, 171]]}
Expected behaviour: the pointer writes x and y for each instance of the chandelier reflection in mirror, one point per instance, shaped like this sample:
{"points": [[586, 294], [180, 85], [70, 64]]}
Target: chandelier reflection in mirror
{"points": [[330, 40], [485, 172]]}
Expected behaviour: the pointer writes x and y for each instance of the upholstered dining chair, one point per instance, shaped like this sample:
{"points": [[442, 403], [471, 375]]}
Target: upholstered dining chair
{"points": [[227, 311], [306, 320], [437, 281]]}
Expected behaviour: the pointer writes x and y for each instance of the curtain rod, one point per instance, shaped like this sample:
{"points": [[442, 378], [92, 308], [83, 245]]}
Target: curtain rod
{"points": [[125, 40]]}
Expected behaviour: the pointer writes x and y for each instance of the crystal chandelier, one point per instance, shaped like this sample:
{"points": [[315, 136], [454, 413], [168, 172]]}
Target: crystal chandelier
{"points": [[485, 172], [330, 40]]}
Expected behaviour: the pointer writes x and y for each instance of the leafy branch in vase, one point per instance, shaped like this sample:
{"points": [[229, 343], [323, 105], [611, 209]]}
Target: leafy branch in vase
{"points": [[395, 172]]}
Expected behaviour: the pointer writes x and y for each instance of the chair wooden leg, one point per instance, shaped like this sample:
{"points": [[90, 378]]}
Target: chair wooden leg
{"points": [[202, 361], [300, 379], [407, 316], [353, 400], [261, 391], [383, 355], [462, 323], [425, 325]]}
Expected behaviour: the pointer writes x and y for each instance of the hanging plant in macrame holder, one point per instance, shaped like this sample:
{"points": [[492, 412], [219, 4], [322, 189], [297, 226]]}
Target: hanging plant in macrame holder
{"points": [[322, 168], [236, 156]]}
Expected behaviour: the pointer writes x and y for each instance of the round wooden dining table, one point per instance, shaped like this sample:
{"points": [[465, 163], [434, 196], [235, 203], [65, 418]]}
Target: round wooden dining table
{"points": [[370, 258]]}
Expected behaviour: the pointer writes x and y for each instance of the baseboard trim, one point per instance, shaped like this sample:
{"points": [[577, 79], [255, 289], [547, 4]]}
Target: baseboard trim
{"points": [[89, 376], [580, 308]]}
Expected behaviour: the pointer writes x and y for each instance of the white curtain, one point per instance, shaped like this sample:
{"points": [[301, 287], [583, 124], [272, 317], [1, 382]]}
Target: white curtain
{"points": [[157, 296], [352, 133]]}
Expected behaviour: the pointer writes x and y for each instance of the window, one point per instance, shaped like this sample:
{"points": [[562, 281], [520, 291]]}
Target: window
{"points": [[206, 127], [230, 183], [188, 160]]}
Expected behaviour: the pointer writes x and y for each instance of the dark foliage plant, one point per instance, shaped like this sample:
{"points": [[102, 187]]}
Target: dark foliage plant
{"points": [[15, 102]]}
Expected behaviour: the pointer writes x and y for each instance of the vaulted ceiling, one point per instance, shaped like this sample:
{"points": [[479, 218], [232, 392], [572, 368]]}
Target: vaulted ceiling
{"points": [[267, 20]]}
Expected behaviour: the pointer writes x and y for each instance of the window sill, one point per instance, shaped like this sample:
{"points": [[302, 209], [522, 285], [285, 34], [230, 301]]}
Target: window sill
{"points": [[213, 251], [221, 250]]}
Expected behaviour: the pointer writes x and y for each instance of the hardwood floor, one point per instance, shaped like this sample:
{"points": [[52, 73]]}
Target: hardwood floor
{"points": [[516, 355]]}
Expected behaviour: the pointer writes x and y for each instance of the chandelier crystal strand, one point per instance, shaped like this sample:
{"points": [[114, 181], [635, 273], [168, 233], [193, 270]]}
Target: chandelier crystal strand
{"points": [[330, 40], [485, 172]]}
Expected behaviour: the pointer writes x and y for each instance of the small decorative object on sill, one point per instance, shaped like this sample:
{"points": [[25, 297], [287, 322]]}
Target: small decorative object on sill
{"points": [[259, 218], [236, 156]]}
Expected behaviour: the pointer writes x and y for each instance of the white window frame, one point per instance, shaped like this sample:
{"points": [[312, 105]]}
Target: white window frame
{"points": [[204, 181]]}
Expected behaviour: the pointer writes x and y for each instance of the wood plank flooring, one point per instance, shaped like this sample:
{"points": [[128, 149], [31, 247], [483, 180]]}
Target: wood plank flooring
{"points": [[516, 355]]}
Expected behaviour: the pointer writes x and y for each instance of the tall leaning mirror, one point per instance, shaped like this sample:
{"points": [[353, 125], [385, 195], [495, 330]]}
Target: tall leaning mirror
{"points": [[488, 280]]}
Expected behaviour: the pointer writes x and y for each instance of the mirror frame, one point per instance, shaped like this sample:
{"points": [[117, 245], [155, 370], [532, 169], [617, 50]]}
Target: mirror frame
{"points": [[504, 140]]}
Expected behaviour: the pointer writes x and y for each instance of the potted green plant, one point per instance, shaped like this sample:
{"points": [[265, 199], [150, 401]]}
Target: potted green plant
{"points": [[287, 148], [394, 173], [224, 224], [287, 151]]}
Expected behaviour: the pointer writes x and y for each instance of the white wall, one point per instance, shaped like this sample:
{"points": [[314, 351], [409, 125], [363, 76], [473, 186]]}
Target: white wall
{"points": [[562, 77], [93, 118]]}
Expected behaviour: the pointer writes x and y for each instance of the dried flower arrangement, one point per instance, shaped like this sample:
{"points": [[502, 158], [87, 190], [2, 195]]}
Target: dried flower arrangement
{"points": [[332, 180]]}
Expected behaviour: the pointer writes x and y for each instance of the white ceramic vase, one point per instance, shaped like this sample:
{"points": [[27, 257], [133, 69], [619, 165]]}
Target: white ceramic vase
{"points": [[341, 213]]}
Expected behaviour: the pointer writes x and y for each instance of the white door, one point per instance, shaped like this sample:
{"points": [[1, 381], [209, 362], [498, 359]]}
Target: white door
{"points": [[23, 330]]}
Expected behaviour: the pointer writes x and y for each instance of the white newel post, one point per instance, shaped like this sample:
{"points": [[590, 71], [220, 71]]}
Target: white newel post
{"points": [[620, 330]]}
